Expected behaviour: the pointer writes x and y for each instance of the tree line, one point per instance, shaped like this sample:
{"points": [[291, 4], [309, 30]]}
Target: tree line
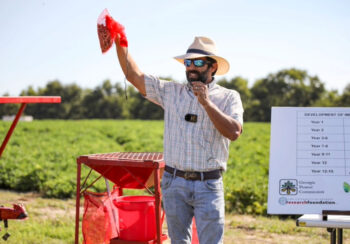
{"points": [[287, 87]]}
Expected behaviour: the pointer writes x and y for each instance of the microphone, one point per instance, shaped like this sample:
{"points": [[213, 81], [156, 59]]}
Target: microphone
{"points": [[191, 118]]}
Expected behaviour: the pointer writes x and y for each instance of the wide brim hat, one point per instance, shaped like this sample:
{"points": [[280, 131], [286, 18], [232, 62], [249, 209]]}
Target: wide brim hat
{"points": [[205, 47]]}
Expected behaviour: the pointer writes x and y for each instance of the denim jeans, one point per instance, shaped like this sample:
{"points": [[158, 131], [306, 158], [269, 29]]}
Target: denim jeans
{"points": [[183, 199]]}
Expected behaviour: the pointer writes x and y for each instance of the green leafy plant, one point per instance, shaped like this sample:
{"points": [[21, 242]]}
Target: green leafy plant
{"points": [[41, 157]]}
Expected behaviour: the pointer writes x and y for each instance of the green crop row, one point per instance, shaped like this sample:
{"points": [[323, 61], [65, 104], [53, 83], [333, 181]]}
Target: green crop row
{"points": [[41, 156]]}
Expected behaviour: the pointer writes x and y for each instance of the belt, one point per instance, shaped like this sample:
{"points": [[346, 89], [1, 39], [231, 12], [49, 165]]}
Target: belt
{"points": [[193, 175]]}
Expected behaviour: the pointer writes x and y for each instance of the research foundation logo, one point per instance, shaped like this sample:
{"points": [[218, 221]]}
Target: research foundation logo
{"points": [[282, 200], [288, 187]]}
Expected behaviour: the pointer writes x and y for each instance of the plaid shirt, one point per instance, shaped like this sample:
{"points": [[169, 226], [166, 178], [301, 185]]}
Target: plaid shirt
{"points": [[192, 146]]}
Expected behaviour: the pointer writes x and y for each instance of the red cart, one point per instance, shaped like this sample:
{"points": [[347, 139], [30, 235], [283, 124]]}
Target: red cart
{"points": [[128, 171]]}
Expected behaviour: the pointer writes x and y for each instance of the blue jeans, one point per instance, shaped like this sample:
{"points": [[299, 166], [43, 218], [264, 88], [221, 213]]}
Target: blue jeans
{"points": [[183, 199]]}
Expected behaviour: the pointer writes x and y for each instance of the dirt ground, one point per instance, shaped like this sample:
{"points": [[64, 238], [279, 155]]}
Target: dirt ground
{"points": [[243, 233]]}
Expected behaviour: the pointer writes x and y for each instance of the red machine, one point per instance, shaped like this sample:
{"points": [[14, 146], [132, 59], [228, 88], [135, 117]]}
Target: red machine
{"points": [[126, 171], [23, 101], [17, 212]]}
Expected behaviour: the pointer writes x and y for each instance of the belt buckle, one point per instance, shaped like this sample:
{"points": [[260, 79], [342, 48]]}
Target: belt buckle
{"points": [[190, 175]]}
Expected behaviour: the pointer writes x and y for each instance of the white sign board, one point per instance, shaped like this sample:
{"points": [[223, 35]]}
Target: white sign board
{"points": [[309, 160]]}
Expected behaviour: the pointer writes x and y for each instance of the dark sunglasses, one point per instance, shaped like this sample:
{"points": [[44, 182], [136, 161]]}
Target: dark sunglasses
{"points": [[196, 62]]}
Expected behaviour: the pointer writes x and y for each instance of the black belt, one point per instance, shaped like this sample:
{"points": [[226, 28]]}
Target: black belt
{"points": [[193, 175]]}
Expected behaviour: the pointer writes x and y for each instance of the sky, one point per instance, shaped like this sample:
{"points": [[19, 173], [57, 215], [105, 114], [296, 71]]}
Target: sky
{"points": [[46, 40]]}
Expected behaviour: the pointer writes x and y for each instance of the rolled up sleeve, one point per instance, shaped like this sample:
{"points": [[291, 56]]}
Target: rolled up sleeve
{"points": [[155, 90], [235, 108]]}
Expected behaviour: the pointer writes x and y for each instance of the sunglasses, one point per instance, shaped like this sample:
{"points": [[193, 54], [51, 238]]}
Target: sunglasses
{"points": [[196, 62]]}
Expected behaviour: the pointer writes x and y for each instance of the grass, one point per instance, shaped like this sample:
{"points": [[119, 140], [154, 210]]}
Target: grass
{"points": [[49, 221], [52, 221]]}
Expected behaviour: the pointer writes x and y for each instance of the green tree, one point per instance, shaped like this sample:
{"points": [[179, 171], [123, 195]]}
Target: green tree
{"points": [[288, 87], [102, 102], [344, 99], [72, 97], [330, 99]]}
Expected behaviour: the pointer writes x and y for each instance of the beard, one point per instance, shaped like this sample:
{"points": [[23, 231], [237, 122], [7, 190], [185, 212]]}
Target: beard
{"points": [[195, 75]]}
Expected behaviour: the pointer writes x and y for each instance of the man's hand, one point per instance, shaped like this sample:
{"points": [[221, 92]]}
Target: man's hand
{"points": [[200, 90], [226, 125]]}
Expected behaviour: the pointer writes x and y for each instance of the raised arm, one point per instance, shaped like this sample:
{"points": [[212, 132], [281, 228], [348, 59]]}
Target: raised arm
{"points": [[131, 71]]}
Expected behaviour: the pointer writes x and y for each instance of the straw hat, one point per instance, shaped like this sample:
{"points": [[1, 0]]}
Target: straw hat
{"points": [[205, 47]]}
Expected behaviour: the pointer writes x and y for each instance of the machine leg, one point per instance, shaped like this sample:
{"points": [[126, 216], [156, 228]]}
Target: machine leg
{"points": [[77, 204], [158, 204], [13, 125]]}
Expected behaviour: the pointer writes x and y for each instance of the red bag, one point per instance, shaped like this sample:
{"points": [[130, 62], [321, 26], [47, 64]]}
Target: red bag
{"points": [[108, 29], [100, 220]]}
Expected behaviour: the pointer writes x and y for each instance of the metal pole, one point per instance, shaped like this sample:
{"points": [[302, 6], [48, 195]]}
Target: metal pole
{"points": [[13, 125], [333, 233], [340, 236]]}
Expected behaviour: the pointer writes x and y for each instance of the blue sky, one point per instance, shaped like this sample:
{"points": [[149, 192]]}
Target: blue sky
{"points": [[44, 40]]}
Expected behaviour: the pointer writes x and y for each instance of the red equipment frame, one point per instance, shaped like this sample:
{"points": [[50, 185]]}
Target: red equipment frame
{"points": [[18, 211], [24, 100], [125, 170]]}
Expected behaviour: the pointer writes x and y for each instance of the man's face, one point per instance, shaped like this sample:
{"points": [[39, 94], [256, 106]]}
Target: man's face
{"points": [[194, 73]]}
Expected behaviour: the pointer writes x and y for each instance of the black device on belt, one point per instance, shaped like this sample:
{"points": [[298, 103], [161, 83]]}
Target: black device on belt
{"points": [[193, 175]]}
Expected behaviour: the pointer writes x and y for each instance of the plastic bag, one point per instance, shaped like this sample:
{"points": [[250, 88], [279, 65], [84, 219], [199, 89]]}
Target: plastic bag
{"points": [[107, 30]]}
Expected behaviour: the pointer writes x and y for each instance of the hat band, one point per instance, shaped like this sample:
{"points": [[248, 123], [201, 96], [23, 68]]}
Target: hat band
{"points": [[199, 51]]}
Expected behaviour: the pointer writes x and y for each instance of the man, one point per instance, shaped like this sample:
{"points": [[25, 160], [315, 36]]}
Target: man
{"points": [[200, 119]]}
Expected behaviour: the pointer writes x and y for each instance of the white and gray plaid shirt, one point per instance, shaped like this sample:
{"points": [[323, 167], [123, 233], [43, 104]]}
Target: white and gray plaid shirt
{"points": [[192, 146]]}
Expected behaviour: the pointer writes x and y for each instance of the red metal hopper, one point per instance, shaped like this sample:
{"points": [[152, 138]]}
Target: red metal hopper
{"points": [[126, 170]]}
